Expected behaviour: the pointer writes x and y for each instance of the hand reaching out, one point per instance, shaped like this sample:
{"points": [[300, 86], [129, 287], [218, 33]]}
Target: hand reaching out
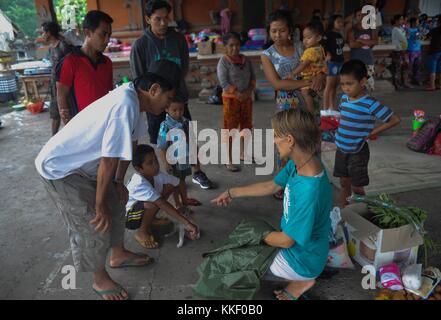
{"points": [[223, 200]]}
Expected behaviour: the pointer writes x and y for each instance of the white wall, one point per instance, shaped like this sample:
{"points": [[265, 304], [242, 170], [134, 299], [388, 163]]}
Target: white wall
{"points": [[430, 7]]}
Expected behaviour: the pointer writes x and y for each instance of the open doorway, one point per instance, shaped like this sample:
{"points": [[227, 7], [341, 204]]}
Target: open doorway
{"points": [[257, 18], [350, 6]]}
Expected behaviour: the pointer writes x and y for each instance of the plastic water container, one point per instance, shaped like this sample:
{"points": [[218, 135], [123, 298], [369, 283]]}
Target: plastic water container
{"points": [[418, 120]]}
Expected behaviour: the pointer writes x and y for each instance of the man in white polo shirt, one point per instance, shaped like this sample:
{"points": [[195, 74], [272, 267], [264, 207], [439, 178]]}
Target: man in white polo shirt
{"points": [[83, 168]]}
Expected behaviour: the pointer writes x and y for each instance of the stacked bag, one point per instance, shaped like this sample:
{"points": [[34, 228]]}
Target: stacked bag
{"points": [[428, 138]]}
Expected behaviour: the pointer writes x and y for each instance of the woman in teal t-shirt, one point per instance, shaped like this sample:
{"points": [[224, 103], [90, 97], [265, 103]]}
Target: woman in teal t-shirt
{"points": [[305, 224]]}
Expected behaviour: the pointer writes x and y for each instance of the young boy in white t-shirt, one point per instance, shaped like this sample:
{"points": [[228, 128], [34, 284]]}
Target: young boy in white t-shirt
{"points": [[149, 190]]}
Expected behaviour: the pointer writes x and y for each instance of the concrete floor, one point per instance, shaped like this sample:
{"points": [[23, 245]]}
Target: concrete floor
{"points": [[34, 245]]}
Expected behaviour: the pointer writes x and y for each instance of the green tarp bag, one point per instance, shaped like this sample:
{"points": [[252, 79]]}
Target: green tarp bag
{"points": [[234, 270]]}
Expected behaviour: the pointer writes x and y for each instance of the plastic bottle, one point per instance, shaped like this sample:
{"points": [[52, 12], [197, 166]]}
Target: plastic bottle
{"points": [[418, 121]]}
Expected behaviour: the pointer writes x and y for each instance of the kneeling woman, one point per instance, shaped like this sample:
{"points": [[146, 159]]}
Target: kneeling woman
{"points": [[305, 225]]}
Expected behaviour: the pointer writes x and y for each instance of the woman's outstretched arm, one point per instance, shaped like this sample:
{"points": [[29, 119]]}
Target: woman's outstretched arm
{"points": [[255, 190]]}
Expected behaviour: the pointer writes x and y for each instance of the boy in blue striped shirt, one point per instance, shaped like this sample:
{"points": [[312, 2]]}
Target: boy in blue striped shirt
{"points": [[359, 113]]}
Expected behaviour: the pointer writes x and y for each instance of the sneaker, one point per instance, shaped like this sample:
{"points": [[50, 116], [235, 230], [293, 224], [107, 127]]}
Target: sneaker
{"points": [[201, 179]]}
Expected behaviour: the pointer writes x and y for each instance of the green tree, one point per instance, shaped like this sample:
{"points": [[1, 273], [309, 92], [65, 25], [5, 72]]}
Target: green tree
{"points": [[23, 14], [80, 9]]}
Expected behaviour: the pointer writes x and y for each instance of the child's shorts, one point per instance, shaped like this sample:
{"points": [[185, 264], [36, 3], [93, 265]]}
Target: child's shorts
{"points": [[134, 216], [334, 68], [435, 63], [238, 114], [353, 165], [179, 173]]}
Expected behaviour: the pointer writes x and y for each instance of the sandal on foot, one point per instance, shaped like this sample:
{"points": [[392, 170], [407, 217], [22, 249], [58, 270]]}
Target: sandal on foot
{"points": [[286, 293], [135, 262], [232, 168], [145, 243], [118, 291]]}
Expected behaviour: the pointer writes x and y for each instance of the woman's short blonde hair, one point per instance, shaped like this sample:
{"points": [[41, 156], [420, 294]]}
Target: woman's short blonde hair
{"points": [[301, 125]]}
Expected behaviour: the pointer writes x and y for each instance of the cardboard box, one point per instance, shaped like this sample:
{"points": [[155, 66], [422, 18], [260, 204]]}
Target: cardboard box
{"points": [[205, 48], [220, 48], [368, 244]]}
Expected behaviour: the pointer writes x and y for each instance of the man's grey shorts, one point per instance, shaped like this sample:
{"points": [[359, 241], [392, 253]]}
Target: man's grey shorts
{"points": [[74, 197]]}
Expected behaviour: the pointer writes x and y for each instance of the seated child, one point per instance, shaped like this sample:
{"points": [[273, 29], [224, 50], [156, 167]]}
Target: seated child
{"points": [[237, 79], [359, 113], [149, 190], [175, 120], [313, 61]]}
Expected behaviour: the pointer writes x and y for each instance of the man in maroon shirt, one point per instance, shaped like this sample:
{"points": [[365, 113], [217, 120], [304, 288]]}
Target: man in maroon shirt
{"points": [[86, 75]]}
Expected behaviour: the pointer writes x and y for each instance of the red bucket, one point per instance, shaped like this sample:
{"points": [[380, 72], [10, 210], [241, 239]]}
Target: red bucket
{"points": [[35, 108]]}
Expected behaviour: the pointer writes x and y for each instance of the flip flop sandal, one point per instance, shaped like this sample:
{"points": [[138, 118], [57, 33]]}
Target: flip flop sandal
{"points": [[115, 292], [133, 262], [193, 202], [287, 294], [143, 243]]}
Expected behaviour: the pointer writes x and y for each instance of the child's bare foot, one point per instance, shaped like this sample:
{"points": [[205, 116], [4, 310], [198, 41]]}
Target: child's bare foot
{"points": [[108, 289], [146, 241]]}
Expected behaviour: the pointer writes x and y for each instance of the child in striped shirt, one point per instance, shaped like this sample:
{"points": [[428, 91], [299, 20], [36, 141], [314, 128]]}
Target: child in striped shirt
{"points": [[359, 113]]}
